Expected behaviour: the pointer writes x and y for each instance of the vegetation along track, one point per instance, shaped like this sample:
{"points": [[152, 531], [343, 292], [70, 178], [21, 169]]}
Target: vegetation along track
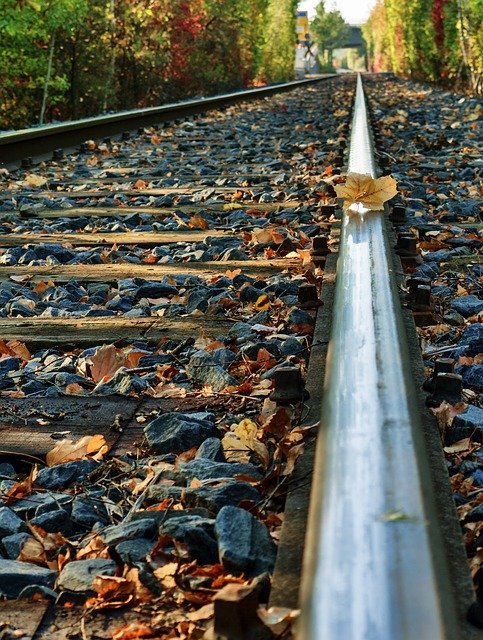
{"points": [[160, 297]]}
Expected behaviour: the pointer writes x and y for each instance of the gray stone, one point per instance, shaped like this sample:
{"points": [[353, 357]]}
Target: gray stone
{"points": [[293, 347], [133, 551], [467, 305], [203, 369], [298, 319], [10, 523], [150, 289], [177, 432], [57, 521], [453, 318], [37, 589], [64, 475], [78, 575], [13, 544], [211, 449], [231, 493], [7, 470], [197, 300], [224, 357], [472, 375], [27, 507], [208, 469], [244, 543], [159, 492], [15, 576], [170, 514], [127, 531], [468, 424], [197, 534], [86, 512]]}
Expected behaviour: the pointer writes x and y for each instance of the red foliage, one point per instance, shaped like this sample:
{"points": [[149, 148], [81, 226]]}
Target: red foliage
{"points": [[437, 14], [186, 25]]}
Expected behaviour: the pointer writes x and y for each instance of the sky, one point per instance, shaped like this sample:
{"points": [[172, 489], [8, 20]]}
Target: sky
{"points": [[353, 11]]}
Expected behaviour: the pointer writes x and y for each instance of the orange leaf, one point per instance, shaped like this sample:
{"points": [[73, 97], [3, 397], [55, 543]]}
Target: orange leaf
{"points": [[74, 389], [41, 286], [277, 237], [133, 630], [19, 349], [232, 274], [197, 222], [360, 188], [140, 184], [66, 450], [105, 362]]}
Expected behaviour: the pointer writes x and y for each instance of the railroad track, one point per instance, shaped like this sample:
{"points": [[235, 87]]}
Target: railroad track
{"points": [[172, 281]]}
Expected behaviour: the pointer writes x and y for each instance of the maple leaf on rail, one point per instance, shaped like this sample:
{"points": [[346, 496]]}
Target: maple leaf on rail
{"points": [[372, 193]]}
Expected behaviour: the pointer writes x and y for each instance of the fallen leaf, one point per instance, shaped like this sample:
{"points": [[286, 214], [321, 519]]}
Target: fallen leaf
{"points": [[89, 446], [360, 188], [293, 453], [204, 613], [133, 630], [32, 551], [197, 222], [34, 181], [74, 389], [246, 431], [262, 303], [458, 447]]}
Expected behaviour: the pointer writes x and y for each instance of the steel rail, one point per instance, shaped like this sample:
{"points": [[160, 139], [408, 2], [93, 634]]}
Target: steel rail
{"points": [[16, 145], [371, 571]]}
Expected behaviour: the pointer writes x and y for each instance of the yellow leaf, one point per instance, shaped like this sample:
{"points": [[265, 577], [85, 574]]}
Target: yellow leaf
{"points": [[231, 206], [247, 431], [34, 181], [262, 303], [66, 450], [234, 449], [370, 192]]}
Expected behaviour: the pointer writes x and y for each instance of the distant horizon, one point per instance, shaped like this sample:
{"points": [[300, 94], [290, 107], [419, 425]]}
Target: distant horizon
{"points": [[354, 12]]}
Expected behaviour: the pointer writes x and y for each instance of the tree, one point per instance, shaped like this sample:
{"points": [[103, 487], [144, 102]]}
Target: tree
{"points": [[330, 30]]}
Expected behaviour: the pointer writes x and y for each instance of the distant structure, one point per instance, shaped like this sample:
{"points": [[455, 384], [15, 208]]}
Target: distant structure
{"points": [[306, 51], [355, 38]]}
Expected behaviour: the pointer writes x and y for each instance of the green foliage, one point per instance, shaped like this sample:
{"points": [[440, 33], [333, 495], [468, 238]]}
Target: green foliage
{"points": [[278, 50], [330, 30], [435, 40], [118, 54]]}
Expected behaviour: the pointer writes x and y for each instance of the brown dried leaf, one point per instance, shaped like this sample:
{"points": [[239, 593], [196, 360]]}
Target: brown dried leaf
{"points": [[293, 453], [197, 222], [459, 447], [19, 349], [74, 389], [446, 412], [33, 551], [371, 192], [204, 613], [89, 446]]}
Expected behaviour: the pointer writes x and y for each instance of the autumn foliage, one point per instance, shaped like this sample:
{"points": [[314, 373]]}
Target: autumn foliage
{"points": [[62, 59], [430, 40]]}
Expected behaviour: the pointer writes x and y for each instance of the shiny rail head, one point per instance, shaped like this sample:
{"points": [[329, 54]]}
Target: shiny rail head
{"points": [[369, 570]]}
